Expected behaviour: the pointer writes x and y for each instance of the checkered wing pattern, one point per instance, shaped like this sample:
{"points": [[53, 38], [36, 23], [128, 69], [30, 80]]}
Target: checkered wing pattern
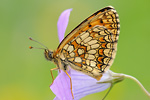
{"points": [[91, 47]]}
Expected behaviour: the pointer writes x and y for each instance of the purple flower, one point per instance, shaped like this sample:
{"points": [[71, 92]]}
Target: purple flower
{"points": [[82, 84]]}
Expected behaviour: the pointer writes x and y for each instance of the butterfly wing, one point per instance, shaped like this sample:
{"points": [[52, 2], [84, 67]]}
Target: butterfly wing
{"points": [[91, 46]]}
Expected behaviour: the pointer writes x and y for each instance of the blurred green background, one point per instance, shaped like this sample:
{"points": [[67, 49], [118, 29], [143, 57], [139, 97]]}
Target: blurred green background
{"points": [[24, 73]]}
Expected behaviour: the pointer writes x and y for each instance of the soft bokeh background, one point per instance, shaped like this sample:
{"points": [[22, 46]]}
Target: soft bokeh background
{"points": [[24, 73]]}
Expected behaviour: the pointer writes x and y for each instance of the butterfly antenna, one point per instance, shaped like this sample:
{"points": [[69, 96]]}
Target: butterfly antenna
{"points": [[38, 43], [30, 47], [108, 91]]}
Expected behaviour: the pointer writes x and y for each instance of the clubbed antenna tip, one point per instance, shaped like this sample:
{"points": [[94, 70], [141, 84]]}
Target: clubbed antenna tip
{"points": [[30, 38], [30, 47]]}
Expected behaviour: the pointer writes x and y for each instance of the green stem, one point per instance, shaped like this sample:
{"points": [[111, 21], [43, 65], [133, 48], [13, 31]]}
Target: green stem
{"points": [[138, 82]]}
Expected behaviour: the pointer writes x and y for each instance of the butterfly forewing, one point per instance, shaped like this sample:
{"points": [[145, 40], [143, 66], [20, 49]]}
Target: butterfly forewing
{"points": [[91, 46]]}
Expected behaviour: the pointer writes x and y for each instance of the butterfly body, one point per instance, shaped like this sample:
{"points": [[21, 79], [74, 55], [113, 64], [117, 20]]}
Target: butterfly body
{"points": [[91, 47]]}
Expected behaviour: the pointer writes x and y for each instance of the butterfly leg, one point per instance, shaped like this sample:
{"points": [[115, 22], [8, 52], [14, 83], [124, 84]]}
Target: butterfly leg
{"points": [[52, 74], [70, 83]]}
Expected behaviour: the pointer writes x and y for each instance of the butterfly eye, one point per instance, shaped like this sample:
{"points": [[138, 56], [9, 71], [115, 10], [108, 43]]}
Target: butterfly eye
{"points": [[48, 55]]}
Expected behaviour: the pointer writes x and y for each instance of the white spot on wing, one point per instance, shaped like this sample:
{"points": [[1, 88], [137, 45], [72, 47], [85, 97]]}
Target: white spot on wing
{"points": [[92, 63], [92, 42], [65, 47], [80, 51], [94, 46], [70, 48], [92, 51], [107, 52], [78, 59], [91, 57], [78, 40], [87, 39], [88, 62], [72, 54], [85, 35]]}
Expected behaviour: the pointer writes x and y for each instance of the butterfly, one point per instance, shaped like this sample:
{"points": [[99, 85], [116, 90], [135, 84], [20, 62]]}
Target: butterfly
{"points": [[90, 47]]}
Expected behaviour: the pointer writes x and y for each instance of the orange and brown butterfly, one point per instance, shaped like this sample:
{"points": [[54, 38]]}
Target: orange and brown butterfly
{"points": [[91, 47]]}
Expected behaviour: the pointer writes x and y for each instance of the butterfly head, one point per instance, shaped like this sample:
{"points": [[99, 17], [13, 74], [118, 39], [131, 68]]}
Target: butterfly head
{"points": [[48, 54]]}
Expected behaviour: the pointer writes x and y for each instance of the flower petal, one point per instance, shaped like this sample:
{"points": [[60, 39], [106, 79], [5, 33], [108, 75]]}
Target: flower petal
{"points": [[63, 23], [84, 85], [56, 98], [61, 87]]}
